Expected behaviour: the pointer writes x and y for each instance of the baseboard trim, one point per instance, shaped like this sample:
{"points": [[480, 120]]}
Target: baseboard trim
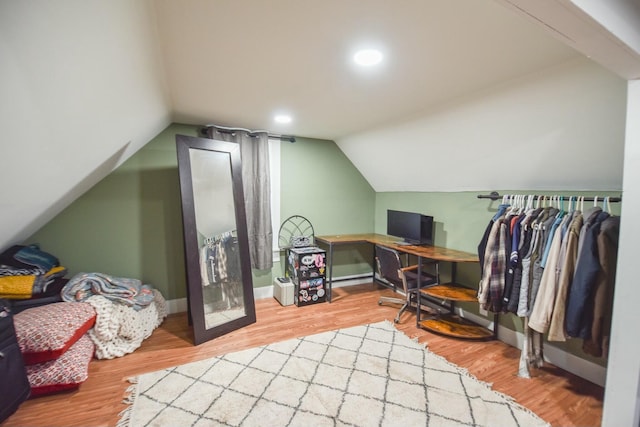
{"points": [[267, 291], [263, 292], [177, 305], [180, 305], [354, 279], [583, 368]]}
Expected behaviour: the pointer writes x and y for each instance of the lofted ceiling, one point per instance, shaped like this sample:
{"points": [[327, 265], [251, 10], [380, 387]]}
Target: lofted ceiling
{"points": [[86, 84], [239, 63]]}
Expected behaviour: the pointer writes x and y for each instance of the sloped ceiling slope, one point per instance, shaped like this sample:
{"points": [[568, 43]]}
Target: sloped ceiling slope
{"points": [[466, 91], [559, 129], [238, 63], [82, 89]]}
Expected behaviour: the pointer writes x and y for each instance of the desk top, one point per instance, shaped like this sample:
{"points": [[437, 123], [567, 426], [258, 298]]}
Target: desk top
{"points": [[432, 252]]}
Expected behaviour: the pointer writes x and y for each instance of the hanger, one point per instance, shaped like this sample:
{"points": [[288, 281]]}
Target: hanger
{"points": [[561, 206], [606, 205], [516, 204]]}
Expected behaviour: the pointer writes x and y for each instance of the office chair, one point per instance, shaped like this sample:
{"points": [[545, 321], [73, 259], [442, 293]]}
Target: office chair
{"points": [[391, 270]]}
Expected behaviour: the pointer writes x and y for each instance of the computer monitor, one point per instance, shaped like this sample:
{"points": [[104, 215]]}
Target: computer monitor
{"points": [[413, 228]]}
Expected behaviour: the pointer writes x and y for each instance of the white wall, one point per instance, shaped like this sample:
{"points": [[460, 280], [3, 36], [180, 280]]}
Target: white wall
{"points": [[622, 397], [560, 129], [618, 17], [82, 89], [610, 32]]}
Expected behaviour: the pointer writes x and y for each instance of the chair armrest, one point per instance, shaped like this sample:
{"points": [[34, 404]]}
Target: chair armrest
{"points": [[415, 267], [409, 268]]}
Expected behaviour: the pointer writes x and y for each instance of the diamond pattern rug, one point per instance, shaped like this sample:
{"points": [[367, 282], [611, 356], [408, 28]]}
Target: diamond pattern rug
{"points": [[370, 375]]}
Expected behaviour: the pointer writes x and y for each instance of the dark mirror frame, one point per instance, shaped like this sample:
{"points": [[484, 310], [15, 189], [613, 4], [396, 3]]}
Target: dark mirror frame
{"points": [[192, 259]]}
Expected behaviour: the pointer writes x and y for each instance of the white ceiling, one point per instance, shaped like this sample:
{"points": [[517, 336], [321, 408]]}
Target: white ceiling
{"points": [[85, 84], [238, 63]]}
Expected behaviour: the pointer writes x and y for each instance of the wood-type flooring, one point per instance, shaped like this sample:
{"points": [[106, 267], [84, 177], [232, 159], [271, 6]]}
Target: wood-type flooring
{"points": [[560, 398]]}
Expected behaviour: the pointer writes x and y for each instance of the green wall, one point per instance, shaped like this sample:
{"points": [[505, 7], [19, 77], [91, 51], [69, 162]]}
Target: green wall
{"points": [[460, 220], [322, 185], [130, 223]]}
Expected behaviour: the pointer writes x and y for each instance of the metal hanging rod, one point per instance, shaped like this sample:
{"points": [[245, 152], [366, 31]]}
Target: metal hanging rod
{"points": [[225, 129], [494, 195]]}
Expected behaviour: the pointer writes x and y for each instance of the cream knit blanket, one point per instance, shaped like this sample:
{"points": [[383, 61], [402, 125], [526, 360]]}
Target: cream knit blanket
{"points": [[119, 329]]}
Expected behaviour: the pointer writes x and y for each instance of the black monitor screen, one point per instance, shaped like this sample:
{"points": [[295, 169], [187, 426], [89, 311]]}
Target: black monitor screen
{"points": [[412, 227]]}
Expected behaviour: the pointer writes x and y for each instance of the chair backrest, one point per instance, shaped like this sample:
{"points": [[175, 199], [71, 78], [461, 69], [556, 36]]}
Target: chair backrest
{"points": [[389, 265]]}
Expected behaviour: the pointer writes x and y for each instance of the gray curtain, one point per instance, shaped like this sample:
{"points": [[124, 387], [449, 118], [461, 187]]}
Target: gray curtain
{"points": [[256, 182]]}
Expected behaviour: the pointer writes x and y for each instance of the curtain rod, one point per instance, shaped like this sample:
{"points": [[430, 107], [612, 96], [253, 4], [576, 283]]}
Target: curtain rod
{"points": [[494, 195], [289, 138]]}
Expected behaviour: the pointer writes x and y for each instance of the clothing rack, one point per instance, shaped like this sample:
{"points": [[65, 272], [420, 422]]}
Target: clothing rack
{"points": [[494, 195], [204, 131], [209, 241]]}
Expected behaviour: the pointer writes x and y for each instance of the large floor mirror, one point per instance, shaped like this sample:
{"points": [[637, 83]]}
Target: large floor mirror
{"points": [[219, 282]]}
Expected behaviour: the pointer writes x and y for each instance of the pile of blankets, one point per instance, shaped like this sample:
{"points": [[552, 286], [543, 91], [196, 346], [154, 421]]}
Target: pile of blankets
{"points": [[127, 311], [130, 292]]}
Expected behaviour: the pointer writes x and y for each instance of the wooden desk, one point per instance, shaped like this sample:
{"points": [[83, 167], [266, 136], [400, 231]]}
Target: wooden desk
{"points": [[431, 252], [450, 324]]}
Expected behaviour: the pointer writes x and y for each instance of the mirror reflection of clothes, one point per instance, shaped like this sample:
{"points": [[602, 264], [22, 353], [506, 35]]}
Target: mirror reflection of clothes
{"points": [[220, 267], [219, 259]]}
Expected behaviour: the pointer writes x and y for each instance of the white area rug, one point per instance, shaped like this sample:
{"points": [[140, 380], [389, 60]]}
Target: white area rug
{"points": [[370, 375]]}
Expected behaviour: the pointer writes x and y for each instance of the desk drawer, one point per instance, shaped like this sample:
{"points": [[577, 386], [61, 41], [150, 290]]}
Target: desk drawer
{"points": [[311, 291], [306, 263]]}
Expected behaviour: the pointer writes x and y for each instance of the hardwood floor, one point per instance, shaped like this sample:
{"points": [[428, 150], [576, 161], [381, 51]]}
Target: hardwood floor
{"points": [[560, 398]]}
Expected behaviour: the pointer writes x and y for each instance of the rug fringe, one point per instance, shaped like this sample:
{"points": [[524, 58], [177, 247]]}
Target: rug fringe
{"points": [[125, 417], [465, 372], [388, 322], [131, 394]]}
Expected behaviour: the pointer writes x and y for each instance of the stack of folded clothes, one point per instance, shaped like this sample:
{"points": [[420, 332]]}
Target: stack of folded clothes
{"points": [[30, 277]]}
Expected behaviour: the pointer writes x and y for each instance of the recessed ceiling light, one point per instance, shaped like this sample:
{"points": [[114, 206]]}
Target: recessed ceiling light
{"points": [[282, 118], [368, 57]]}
